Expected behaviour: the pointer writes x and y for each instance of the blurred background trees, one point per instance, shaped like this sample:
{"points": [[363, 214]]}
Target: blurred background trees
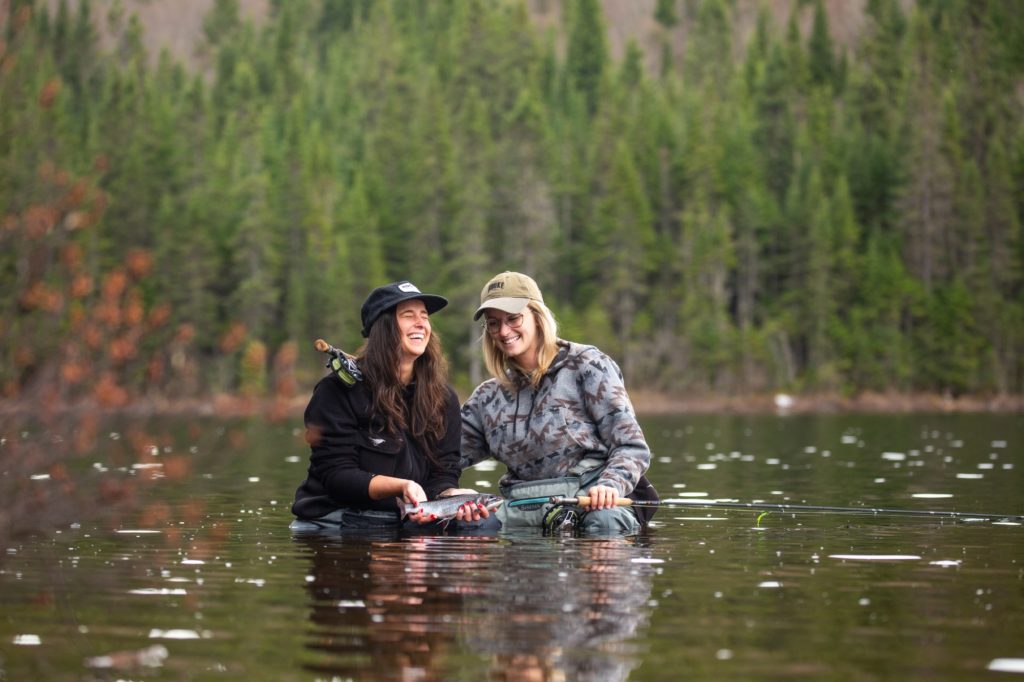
{"points": [[720, 209]]}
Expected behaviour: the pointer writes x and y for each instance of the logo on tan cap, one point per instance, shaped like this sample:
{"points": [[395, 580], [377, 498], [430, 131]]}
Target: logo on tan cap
{"points": [[509, 292]]}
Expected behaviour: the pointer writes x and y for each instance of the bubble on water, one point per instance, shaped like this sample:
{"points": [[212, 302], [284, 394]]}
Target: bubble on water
{"points": [[292, 459], [678, 485], [848, 440], [1007, 466], [192, 562], [879, 480], [351, 604], [137, 531], [160, 591], [486, 465], [875, 557], [646, 560], [1007, 665], [772, 461], [986, 465], [932, 496], [707, 466], [770, 584], [39, 477], [894, 456], [864, 601], [176, 633], [945, 563], [810, 450], [723, 654], [27, 640], [970, 476], [999, 443]]}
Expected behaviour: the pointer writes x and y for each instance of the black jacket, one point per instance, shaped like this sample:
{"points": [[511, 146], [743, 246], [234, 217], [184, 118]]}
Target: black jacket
{"points": [[346, 451]]}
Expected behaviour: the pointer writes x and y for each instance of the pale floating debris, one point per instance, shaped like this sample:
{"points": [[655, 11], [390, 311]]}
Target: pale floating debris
{"points": [[192, 562], [292, 459], [147, 465], [783, 401], [693, 493], [971, 476], [772, 461], [646, 560], [174, 634], [986, 465], [701, 518], [879, 480], [875, 557], [848, 440], [678, 485], [254, 479], [1006, 523], [956, 444], [137, 531], [999, 444], [351, 604], [40, 477], [482, 484], [1006, 665], [810, 449], [160, 591], [723, 654], [778, 492], [932, 496], [665, 460], [1007, 466], [258, 582], [707, 466], [150, 657], [894, 456], [486, 465], [945, 563], [27, 640], [770, 583]]}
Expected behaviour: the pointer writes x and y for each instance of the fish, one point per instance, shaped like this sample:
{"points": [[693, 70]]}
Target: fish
{"points": [[445, 508]]}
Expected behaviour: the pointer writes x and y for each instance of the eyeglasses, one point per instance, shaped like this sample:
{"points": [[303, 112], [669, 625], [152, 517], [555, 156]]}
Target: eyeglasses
{"points": [[493, 324]]}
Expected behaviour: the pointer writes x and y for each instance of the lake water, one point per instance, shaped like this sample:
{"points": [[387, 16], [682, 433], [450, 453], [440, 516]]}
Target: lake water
{"points": [[199, 578]]}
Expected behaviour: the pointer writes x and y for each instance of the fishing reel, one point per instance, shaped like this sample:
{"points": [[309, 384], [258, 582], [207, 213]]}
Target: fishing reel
{"points": [[561, 519], [340, 363]]}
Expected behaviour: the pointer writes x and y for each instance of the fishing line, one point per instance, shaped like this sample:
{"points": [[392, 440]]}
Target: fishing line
{"points": [[793, 508]]}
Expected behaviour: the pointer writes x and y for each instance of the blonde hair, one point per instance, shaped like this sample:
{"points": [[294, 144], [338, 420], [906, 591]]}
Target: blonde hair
{"points": [[505, 369]]}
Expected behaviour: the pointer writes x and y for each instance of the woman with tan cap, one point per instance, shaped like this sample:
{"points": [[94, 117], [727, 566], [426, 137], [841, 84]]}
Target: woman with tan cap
{"points": [[556, 413], [392, 435]]}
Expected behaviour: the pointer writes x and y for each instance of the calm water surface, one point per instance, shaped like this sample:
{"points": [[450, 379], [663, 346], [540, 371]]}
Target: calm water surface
{"points": [[202, 580]]}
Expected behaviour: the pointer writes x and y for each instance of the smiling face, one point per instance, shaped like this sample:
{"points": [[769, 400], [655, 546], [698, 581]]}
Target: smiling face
{"points": [[413, 328], [515, 335]]}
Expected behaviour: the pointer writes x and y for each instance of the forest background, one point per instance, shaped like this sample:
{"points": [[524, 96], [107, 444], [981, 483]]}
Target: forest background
{"points": [[731, 201]]}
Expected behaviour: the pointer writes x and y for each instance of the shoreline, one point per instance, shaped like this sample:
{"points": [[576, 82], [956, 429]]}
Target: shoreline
{"points": [[645, 402]]}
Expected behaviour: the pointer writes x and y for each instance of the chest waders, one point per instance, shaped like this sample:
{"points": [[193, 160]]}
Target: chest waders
{"points": [[528, 503]]}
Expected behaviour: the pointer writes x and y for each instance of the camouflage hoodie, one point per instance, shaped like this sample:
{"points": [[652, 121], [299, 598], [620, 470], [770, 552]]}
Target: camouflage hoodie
{"points": [[579, 410]]}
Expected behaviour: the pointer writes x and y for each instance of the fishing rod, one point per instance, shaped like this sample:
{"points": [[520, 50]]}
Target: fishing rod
{"points": [[584, 501], [339, 362]]}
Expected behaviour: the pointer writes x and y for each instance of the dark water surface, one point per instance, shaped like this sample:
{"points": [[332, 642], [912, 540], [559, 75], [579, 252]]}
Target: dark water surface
{"points": [[203, 580]]}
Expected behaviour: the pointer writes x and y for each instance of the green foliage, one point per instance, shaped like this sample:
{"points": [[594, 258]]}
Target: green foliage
{"points": [[760, 214]]}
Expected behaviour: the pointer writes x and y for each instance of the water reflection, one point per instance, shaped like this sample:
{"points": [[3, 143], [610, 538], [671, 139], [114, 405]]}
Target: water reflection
{"points": [[427, 607]]}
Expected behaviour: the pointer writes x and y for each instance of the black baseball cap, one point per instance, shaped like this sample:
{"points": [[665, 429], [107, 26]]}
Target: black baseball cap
{"points": [[388, 296]]}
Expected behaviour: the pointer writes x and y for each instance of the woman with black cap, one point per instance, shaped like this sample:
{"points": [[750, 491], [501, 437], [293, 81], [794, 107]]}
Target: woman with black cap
{"points": [[394, 434]]}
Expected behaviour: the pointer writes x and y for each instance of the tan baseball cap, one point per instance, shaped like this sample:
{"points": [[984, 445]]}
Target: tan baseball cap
{"points": [[508, 292]]}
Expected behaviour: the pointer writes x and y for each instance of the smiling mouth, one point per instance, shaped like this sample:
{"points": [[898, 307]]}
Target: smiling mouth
{"points": [[417, 337], [510, 340]]}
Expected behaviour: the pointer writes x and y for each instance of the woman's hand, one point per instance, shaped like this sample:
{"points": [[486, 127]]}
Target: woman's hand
{"points": [[602, 497], [472, 511], [456, 491]]}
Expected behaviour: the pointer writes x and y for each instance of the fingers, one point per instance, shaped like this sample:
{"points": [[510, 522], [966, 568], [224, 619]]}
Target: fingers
{"points": [[602, 497], [472, 511]]}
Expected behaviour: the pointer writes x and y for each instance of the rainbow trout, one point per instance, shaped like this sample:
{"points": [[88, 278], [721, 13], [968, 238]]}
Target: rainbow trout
{"points": [[445, 508]]}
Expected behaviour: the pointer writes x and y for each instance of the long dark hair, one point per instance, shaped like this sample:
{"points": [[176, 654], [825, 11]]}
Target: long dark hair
{"points": [[379, 358]]}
